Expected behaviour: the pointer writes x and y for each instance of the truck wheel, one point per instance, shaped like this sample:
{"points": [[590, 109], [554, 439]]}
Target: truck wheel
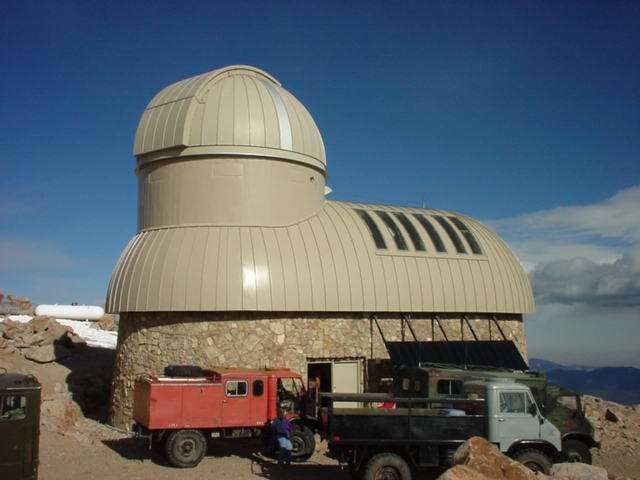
{"points": [[185, 448], [534, 460], [303, 442], [576, 451], [386, 466]]}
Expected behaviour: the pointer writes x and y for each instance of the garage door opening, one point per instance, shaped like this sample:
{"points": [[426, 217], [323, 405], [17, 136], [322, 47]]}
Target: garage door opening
{"points": [[337, 376], [320, 373]]}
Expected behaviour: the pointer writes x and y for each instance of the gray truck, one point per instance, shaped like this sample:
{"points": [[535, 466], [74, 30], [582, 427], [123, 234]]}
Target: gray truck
{"points": [[392, 443], [561, 406]]}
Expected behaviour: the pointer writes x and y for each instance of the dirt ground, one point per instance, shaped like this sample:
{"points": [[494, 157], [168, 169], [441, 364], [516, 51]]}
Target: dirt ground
{"points": [[63, 458]]}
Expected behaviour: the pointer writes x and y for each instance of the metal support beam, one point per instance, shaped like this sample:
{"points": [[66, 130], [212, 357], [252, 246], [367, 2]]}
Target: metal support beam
{"points": [[406, 318], [435, 317], [466, 320], [495, 320], [375, 319]]}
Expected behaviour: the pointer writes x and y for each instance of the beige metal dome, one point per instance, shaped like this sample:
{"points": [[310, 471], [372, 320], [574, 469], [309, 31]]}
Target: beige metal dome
{"points": [[236, 110], [331, 262]]}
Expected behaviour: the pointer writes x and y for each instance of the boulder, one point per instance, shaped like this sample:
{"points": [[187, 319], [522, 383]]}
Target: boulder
{"points": [[107, 322], [462, 472], [578, 471], [610, 416], [46, 353], [6, 346], [11, 329], [481, 457], [73, 340]]}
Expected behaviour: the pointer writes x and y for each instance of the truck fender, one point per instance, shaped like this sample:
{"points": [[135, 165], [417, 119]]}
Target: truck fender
{"points": [[537, 444], [585, 438]]}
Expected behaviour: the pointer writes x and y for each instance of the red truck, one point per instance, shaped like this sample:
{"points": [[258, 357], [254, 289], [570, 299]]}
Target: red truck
{"points": [[181, 413]]}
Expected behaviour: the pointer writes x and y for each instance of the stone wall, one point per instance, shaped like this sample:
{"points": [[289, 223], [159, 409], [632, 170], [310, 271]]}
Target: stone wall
{"points": [[147, 342]]}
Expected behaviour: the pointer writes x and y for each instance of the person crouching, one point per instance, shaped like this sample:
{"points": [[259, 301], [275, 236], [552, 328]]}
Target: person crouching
{"points": [[281, 429]]}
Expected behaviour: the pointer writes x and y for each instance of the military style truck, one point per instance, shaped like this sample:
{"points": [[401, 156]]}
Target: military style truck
{"points": [[19, 426], [560, 406], [181, 412], [392, 443], [439, 369]]}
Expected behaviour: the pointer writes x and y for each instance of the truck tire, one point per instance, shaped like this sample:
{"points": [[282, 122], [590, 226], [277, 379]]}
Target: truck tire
{"points": [[185, 448], [576, 451], [386, 466], [303, 441], [534, 460]]}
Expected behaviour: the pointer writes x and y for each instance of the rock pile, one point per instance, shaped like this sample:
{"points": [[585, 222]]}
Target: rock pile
{"points": [[477, 459], [41, 340], [12, 305], [617, 427], [108, 322]]}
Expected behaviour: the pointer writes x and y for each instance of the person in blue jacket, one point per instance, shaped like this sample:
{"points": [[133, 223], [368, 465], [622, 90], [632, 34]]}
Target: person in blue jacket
{"points": [[281, 429]]}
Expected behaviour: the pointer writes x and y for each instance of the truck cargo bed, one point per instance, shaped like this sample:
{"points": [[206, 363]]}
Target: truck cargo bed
{"points": [[402, 425]]}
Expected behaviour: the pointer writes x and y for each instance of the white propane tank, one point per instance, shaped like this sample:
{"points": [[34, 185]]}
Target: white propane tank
{"points": [[71, 312]]}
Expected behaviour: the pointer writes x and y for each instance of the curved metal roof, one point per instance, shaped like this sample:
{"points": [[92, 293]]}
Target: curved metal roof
{"points": [[236, 110], [329, 262]]}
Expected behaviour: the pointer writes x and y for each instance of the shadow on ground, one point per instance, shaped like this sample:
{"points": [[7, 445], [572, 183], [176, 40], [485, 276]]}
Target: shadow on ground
{"points": [[89, 380], [135, 449]]}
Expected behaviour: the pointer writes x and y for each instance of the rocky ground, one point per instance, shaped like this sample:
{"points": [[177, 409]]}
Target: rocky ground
{"points": [[76, 443]]}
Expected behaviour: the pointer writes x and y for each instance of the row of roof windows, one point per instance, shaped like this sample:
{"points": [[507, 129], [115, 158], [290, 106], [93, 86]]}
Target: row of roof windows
{"points": [[416, 239]]}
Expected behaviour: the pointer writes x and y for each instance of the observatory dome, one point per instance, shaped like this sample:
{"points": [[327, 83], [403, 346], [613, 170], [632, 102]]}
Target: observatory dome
{"points": [[228, 147], [236, 110]]}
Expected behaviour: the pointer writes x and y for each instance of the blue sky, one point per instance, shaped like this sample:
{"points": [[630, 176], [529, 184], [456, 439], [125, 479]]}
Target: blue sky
{"points": [[523, 114]]}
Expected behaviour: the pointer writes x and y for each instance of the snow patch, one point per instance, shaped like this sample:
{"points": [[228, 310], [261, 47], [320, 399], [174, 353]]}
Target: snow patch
{"points": [[93, 336]]}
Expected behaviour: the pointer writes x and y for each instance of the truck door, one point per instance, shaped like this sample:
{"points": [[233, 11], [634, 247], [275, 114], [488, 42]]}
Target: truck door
{"points": [[236, 404], [259, 401], [14, 429], [514, 418]]}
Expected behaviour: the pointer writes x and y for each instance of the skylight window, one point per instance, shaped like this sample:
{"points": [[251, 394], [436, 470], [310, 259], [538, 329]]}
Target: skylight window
{"points": [[393, 229], [431, 231], [418, 244], [471, 240], [376, 234], [455, 238]]}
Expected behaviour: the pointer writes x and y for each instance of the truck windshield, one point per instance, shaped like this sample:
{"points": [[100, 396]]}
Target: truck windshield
{"points": [[13, 407], [290, 387]]}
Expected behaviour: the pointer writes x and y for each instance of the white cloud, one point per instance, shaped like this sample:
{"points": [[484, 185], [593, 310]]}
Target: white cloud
{"points": [[617, 217], [587, 254], [580, 280], [19, 254]]}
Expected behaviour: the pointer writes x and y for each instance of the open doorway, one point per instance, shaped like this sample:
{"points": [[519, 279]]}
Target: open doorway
{"points": [[343, 375], [320, 373]]}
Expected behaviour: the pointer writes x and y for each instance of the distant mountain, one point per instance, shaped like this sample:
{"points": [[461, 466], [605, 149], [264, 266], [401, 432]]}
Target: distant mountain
{"points": [[617, 384], [541, 365]]}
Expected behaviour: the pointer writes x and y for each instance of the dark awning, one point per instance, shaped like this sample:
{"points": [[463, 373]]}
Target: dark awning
{"points": [[485, 353]]}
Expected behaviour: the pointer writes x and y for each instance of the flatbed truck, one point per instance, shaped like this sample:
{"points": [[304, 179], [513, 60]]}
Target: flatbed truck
{"points": [[393, 443]]}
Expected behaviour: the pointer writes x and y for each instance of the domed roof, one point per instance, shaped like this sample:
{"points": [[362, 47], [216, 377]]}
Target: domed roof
{"points": [[236, 110]]}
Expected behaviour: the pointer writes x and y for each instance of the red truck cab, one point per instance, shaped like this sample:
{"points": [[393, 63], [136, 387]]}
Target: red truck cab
{"points": [[180, 414]]}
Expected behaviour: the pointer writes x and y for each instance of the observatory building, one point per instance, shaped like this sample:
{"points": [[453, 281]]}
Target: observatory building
{"points": [[241, 260]]}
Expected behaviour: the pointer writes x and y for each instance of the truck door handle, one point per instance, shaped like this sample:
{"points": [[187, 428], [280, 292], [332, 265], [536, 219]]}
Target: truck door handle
{"points": [[500, 419]]}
